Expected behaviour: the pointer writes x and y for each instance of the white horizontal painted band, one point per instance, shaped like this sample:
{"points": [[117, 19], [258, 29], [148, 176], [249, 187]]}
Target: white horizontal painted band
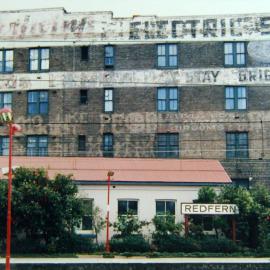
{"points": [[135, 78]]}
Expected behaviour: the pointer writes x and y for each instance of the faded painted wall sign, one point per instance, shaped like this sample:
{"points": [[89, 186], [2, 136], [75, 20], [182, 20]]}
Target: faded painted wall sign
{"points": [[56, 25], [136, 78]]}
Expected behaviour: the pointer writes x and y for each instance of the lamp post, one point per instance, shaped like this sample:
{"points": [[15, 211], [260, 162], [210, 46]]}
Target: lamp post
{"points": [[7, 118], [107, 247]]}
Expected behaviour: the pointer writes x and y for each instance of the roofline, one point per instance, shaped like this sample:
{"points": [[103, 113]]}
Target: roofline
{"points": [[148, 183]]}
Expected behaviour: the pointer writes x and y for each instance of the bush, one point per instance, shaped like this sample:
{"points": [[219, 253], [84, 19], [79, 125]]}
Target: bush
{"points": [[131, 243], [223, 245], [175, 243]]}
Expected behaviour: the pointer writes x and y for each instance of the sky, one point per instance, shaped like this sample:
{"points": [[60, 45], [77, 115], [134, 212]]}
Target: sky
{"points": [[127, 8]]}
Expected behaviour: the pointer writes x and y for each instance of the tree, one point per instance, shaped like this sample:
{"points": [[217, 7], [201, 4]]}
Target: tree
{"points": [[98, 222], [43, 210]]}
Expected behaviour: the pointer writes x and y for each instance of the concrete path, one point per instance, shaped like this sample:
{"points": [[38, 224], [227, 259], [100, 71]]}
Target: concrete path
{"points": [[135, 260]]}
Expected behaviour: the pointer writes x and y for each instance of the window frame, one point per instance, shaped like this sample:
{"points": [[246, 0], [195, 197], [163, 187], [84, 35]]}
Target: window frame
{"points": [[165, 201], [235, 98], [167, 99], [167, 56], [167, 153], [39, 59], [82, 48], [105, 101], [37, 148], [127, 200], [38, 103], [108, 153], [2, 95], [80, 229], [82, 101], [81, 143], [4, 61], [109, 57], [236, 145], [234, 53], [2, 149]]}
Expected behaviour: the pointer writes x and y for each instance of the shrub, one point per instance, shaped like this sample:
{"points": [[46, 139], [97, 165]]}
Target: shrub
{"points": [[175, 243], [223, 245], [131, 243]]}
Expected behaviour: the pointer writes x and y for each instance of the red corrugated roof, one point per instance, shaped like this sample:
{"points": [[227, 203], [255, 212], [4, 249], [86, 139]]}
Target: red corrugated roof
{"points": [[128, 169]]}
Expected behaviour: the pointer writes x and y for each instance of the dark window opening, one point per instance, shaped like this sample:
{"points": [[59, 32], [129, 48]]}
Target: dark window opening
{"points": [[83, 96], [81, 143], [84, 53]]}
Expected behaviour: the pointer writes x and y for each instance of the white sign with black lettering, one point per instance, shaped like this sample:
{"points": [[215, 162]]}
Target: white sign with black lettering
{"points": [[209, 209]]}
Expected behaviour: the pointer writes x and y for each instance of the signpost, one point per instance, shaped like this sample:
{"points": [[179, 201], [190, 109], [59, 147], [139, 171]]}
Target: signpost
{"points": [[209, 209]]}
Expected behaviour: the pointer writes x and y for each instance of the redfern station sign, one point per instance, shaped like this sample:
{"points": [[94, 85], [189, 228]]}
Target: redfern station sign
{"points": [[209, 209]]}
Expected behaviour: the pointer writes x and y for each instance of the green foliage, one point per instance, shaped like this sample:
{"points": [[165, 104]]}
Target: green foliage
{"points": [[130, 243], [165, 225], [44, 211], [98, 222], [206, 195], [128, 224], [223, 245]]}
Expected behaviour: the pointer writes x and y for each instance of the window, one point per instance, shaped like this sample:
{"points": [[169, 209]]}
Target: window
{"points": [[5, 100], [167, 55], [167, 99], [241, 182], [236, 98], [108, 145], [81, 143], [167, 145], [84, 53], [4, 146], [234, 54], [6, 61], [37, 102], [83, 96], [39, 59], [87, 218], [37, 146], [165, 207], [237, 145], [109, 56], [127, 207], [108, 100]]}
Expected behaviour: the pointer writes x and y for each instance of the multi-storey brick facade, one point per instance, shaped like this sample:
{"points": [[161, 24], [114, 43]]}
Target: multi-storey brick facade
{"points": [[74, 121]]}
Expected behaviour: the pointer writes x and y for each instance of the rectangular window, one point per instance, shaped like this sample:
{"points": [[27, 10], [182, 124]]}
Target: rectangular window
{"points": [[39, 59], [237, 145], [127, 207], [108, 145], [87, 218], [4, 146], [108, 100], [234, 54], [165, 207], [37, 102], [109, 56], [37, 145], [81, 143], [5, 100], [167, 99], [84, 53], [235, 98], [6, 61], [83, 96], [167, 56], [167, 145]]}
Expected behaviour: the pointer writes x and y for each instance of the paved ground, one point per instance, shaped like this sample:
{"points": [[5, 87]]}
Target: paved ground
{"points": [[135, 260]]}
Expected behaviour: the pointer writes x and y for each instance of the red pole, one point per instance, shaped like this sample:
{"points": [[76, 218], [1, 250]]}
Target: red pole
{"points": [[186, 225], [108, 214], [9, 197]]}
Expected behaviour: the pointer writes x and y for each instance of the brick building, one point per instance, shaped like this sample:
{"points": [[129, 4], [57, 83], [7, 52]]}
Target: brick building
{"points": [[91, 85]]}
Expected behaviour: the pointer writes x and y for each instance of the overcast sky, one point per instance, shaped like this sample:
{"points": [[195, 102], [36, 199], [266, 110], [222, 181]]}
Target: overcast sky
{"points": [[127, 8]]}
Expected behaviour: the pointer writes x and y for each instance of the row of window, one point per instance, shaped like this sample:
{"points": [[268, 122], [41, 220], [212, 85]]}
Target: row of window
{"points": [[167, 57], [163, 208], [167, 145], [167, 99]]}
